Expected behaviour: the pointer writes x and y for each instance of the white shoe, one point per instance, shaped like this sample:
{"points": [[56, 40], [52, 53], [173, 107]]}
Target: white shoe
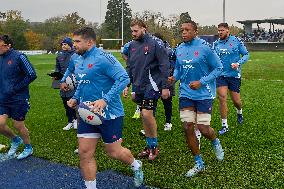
{"points": [[195, 170], [76, 151], [75, 124], [68, 127], [168, 127]]}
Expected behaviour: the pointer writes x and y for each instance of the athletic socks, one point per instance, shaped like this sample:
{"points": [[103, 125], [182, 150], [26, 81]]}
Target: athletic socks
{"points": [[16, 139], [91, 184], [224, 123], [28, 146], [198, 160], [152, 142], [240, 111], [215, 142], [135, 165]]}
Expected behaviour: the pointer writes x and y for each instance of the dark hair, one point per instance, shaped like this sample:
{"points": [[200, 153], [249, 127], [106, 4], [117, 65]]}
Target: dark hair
{"points": [[192, 23], [86, 33], [7, 40], [225, 25], [138, 22]]}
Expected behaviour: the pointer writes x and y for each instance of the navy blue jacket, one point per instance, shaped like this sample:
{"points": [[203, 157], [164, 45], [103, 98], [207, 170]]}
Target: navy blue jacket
{"points": [[148, 64], [16, 73], [62, 62]]}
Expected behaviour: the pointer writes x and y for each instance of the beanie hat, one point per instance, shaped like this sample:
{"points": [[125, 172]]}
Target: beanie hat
{"points": [[67, 40]]}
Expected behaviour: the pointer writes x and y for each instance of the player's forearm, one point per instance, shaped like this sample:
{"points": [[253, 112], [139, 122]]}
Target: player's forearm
{"points": [[244, 59], [118, 86], [213, 75]]}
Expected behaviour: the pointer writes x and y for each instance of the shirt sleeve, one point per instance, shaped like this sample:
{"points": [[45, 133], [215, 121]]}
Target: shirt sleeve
{"points": [[57, 65], [164, 64], [113, 69], [128, 68], [29, 72], [176, 73], [244, 52], [216, 66], [70, 69]]}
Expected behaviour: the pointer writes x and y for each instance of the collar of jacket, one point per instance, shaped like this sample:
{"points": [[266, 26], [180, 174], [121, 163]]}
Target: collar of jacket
{"points": [[8, 52], [225, 40], [88, 52], [190, 42], [144, 37]]}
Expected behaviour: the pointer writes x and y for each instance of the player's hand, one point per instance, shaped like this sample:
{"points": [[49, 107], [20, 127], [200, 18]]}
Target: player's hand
{"points": [[171, 80], [195, 85], [125, 92], [72, 103], [165, 93], [64, 87], [98, 105], [235, 66]]}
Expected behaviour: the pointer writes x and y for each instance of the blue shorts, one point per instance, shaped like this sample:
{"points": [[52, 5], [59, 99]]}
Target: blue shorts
{"points": [[232, 83], [204, 106], [147, 100], [17, 111], [110, 130]]}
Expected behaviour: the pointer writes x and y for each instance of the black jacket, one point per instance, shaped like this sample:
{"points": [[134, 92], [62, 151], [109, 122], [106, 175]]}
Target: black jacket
{"points": [[148, 64]]}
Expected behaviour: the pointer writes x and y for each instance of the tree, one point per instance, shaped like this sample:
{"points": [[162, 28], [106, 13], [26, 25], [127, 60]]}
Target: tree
{"points": [[113, 22], [57, 27], [15, 27], [156, 23], [73, 21], [34, 40]]}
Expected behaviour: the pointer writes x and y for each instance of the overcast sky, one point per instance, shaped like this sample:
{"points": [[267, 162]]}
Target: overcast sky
{"points": [[207, 12]]}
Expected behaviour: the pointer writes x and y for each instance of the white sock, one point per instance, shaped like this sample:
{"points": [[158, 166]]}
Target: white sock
{"points": [[135, 165], [91, 184], [197, 133], [224, 123], [240, 111], [137, 109]]}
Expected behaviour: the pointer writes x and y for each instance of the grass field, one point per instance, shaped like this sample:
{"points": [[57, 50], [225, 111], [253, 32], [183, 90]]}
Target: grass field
{"points": [[254, 151]]}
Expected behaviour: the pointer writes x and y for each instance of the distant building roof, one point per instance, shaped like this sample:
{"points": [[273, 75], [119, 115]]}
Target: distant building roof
{"points": [[271, 20]]}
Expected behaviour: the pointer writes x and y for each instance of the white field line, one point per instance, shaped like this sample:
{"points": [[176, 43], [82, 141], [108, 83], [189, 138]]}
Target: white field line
{"points": [[275, 80]]}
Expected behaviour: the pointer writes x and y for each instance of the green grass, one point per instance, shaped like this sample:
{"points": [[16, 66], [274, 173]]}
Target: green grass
{"points": [[254, 151]]}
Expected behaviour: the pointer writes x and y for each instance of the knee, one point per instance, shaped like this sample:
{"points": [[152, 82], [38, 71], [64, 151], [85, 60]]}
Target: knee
{"points": [[85, 154], [3, 120], [188, 127], [222, 98], [146, 114]]}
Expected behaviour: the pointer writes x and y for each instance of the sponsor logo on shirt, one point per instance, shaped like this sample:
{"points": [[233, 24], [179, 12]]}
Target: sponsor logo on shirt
{"points": [[81, 75], [187, 61], [189, 66], [223, 51], [9, 62], [84, 81]]}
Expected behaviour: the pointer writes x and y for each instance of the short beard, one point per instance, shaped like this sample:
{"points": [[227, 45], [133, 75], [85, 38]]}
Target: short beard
{"points": [[81, 52]]}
